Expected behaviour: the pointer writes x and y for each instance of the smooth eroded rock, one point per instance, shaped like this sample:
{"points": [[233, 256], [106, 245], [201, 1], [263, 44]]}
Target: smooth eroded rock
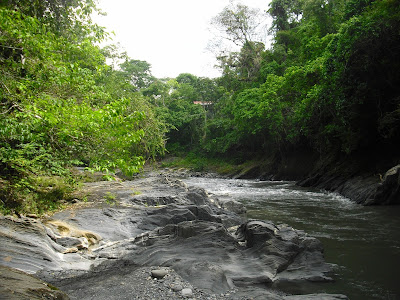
{"points": [[176, 287], [187, 292], [159, 274], [186, 235]]}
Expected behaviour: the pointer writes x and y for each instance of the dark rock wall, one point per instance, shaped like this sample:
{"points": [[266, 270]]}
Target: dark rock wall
{"points": [[368, 178]]}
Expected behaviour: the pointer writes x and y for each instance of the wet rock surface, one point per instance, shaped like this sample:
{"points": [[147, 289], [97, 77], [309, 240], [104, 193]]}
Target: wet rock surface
{"points": [[156, 238], [358, 179]]}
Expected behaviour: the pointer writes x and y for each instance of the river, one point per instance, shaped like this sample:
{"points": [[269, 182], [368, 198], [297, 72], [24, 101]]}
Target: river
{"points": [[362, 242]]}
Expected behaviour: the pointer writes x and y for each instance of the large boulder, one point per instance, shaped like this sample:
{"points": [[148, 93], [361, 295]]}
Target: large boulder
{"points": [[289, 254]]}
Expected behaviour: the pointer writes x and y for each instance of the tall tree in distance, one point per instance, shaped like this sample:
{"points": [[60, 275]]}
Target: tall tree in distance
{"points": [[137, 72], [239, 24], [243, 27], [286, 14]]}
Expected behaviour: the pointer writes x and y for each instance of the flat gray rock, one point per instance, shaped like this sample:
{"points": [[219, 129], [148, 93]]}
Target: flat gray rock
{"points": [[159, 226]]}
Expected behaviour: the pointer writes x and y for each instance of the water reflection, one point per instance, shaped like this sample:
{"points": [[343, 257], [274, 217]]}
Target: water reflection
{"points": [[364, 242]]}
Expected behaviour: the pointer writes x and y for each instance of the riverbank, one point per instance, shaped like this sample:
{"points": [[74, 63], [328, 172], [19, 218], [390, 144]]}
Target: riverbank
{"points": [[368, 179], [110, 244]]}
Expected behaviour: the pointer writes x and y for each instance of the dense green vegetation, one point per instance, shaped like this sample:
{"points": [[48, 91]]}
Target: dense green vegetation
{"points": [[329, 83], [61, 105]]}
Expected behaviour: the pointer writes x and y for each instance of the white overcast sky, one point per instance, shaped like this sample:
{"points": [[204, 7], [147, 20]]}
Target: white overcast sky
{"points": [[171, 35]]}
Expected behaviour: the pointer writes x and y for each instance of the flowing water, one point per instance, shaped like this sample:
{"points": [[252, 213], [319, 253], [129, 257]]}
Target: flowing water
{"points": [[362, 242]]}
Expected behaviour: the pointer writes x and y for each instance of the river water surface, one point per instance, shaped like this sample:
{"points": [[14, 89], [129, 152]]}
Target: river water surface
{"points": [[362, 242]]}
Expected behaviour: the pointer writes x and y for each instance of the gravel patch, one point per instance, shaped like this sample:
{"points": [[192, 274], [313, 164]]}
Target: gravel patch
{"points": [[140, 284]]}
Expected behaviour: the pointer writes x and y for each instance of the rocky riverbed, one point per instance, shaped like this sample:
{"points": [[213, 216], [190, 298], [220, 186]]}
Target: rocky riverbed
{"points": [[155, 238]]}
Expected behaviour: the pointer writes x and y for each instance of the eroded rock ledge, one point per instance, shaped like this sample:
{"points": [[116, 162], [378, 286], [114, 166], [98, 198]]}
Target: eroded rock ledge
{"points": [[108, 246]]}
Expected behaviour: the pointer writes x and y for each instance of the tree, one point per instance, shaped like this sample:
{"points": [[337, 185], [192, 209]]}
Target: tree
{"points": [[158, 90], [239, 24], [69, 18], [61, 105], [250, 59], [187, 79], [184, 118], [286, 14], [137, 73]]}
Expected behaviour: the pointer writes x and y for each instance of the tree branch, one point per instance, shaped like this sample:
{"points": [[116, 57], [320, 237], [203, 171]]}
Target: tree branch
{"points": [[9, 47], [6, 87]]}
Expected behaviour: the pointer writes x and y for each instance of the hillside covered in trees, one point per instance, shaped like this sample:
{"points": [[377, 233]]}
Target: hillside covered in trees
{"points": [[330, 80], [322, 104], [329, 87]]}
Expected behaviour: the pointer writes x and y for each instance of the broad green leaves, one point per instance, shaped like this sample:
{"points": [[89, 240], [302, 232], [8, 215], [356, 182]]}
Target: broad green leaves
{"points": [[62, 106]]}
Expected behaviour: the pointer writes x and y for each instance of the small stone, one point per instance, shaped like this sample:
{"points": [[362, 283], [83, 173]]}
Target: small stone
{"points": [[187, 292], [176, 287], [159, 274]]}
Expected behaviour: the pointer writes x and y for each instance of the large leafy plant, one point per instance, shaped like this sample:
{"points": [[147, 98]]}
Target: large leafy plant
{"points": [[55, 108]]}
